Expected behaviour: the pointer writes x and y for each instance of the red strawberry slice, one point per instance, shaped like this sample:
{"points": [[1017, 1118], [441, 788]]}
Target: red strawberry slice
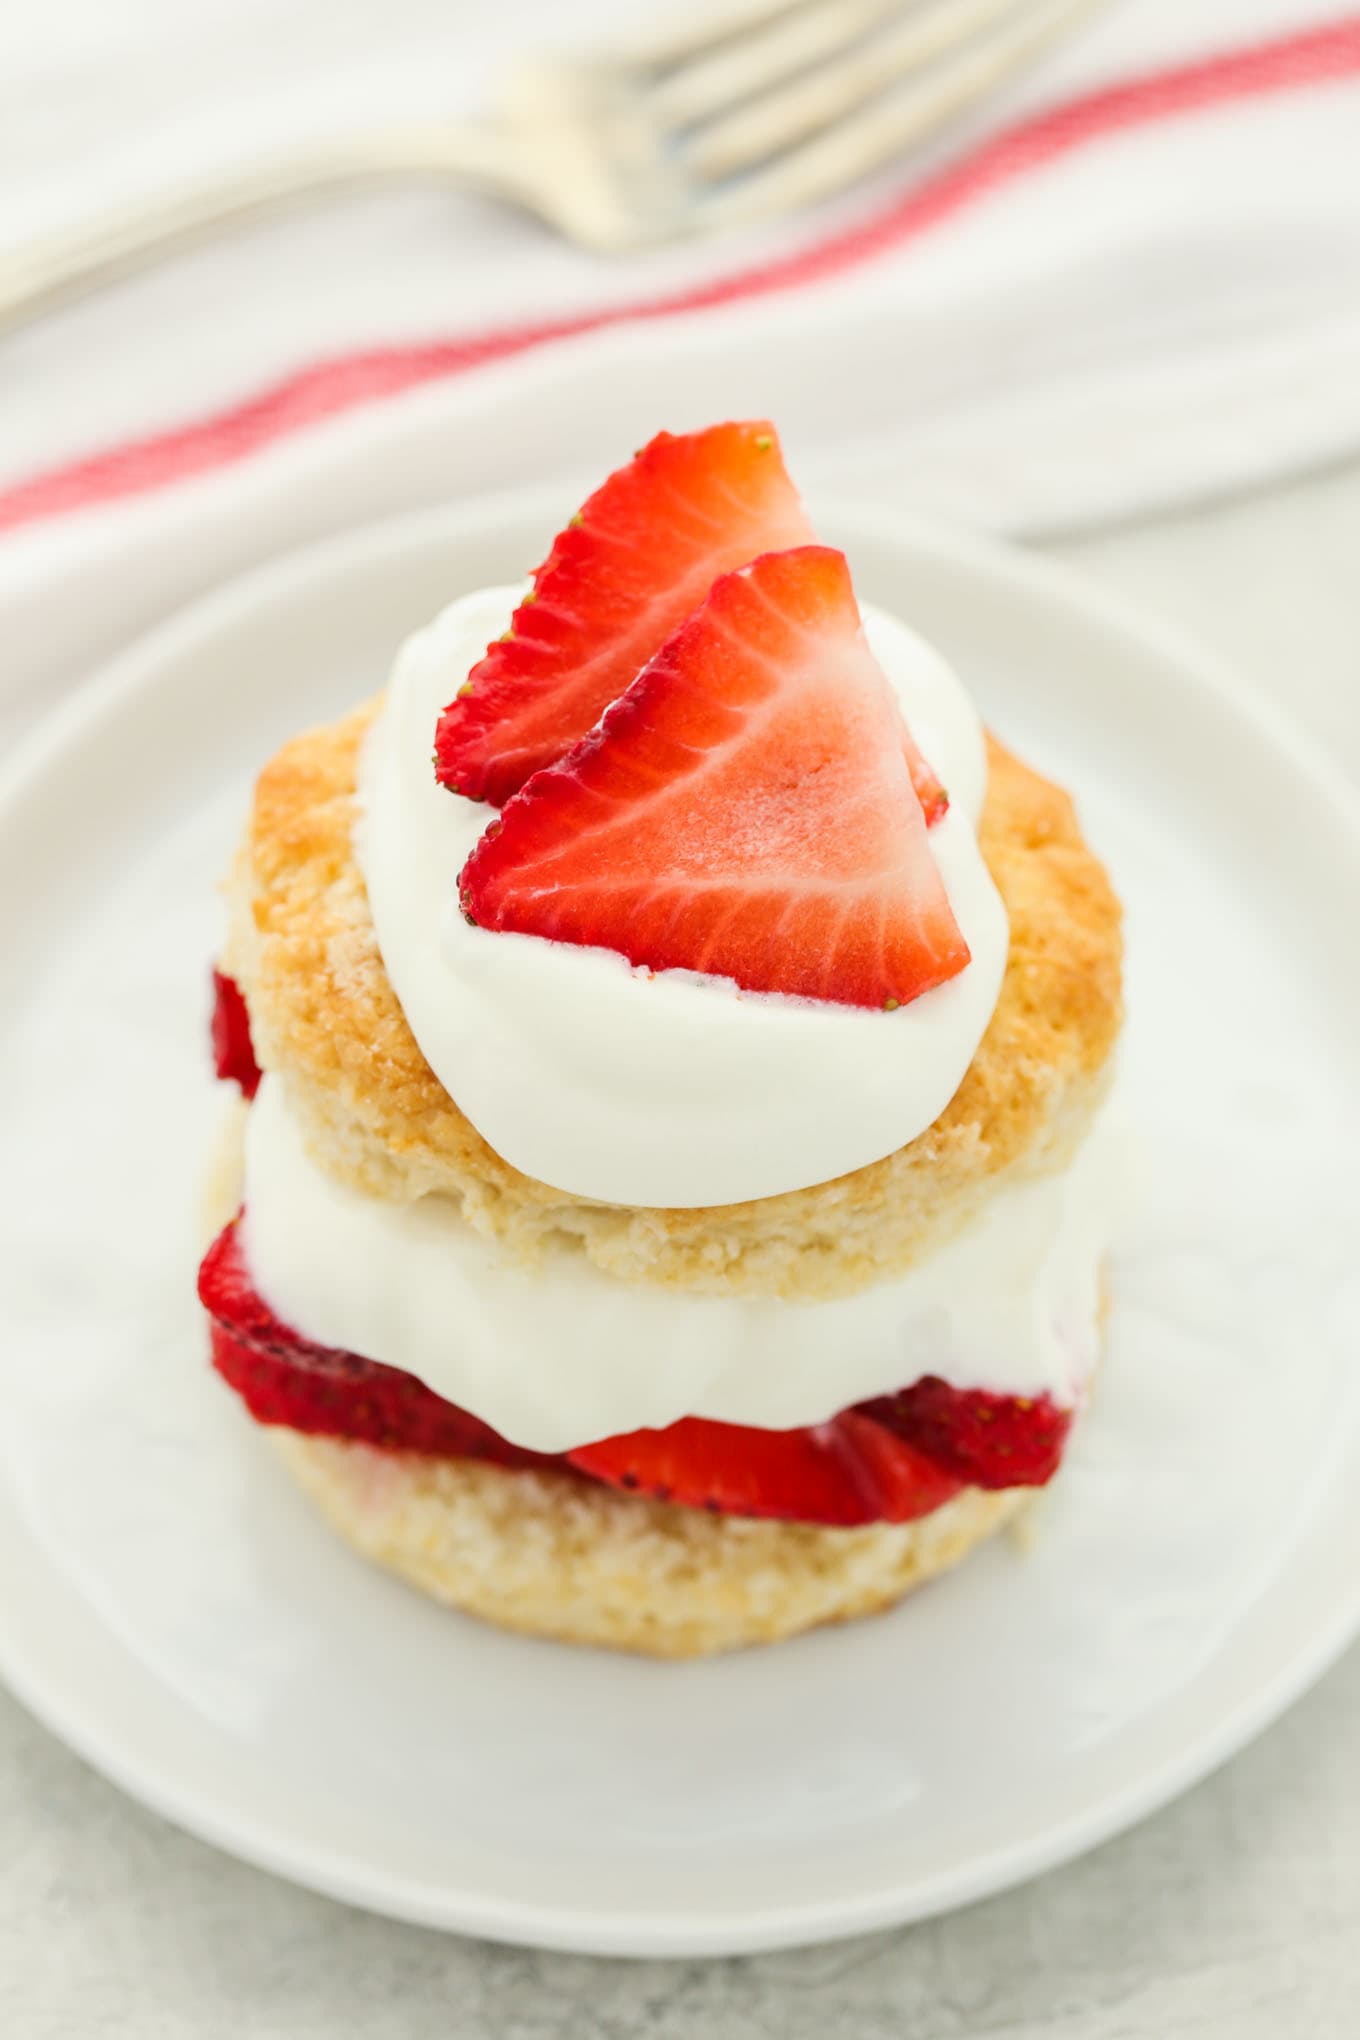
{"points": [[285, 1379], [847, 1471], [745, 810], [638, 558], [233, 1053], [985, 1440]]}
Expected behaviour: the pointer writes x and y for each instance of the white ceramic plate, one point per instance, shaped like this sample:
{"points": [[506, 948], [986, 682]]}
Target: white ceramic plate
{"points": [[172, 1608]]}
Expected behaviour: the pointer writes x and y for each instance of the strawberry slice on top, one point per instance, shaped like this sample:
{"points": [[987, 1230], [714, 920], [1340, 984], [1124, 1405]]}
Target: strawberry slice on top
{"points": [[746, 810], [638, 557]]}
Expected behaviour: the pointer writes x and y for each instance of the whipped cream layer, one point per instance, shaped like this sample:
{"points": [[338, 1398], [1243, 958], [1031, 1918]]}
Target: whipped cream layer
{"points": [[628, 1086], [560, 1354]]}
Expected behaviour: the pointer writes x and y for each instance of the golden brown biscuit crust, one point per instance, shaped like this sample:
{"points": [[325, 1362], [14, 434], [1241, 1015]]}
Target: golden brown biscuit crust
{"points": [[324, 1016], [557, 1557]]}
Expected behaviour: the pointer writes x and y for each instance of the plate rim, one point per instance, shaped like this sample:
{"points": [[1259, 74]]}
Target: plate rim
{"points": [[530, 1922]]}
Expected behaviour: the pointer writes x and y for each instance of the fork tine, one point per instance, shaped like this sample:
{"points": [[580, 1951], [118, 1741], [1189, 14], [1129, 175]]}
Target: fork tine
{"points": [[740, 138], [872, 132], [715, 27], [789, 40]]}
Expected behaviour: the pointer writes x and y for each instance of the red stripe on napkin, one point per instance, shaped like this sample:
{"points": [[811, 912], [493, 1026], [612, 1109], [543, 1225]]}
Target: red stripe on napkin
{"points": [[135, 467]]}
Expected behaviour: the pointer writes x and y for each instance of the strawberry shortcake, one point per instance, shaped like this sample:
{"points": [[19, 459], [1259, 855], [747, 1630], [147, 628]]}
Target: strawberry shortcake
{"points": [[664, 1215]]}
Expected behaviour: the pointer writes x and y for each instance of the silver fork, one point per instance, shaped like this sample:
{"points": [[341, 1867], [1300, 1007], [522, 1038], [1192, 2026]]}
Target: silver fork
{"points": [[747, 114]]}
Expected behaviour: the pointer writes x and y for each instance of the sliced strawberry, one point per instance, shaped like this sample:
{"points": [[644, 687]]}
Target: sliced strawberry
{"points": [[745, 810], [985, 1440], [847, 1471], [233, 1053], [285, 1379], [635, 561]]}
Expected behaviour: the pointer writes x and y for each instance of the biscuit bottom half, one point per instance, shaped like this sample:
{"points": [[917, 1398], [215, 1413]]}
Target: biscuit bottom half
{"points": [[558, 1557]]}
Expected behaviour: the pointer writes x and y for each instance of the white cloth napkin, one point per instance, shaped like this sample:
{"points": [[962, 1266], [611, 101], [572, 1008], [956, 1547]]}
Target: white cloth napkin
{"points": [[1133, 279]]}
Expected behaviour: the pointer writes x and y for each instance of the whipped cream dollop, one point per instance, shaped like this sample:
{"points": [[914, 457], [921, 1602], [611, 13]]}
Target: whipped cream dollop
{"points": [[628, 1086], [561, 1354]]}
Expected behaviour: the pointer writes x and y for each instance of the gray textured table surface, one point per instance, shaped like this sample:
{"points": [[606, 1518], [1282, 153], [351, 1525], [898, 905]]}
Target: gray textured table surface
{"points": [[1234, 1915]]}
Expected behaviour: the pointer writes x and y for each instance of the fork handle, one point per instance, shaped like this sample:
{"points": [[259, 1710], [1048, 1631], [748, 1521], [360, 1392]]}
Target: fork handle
{"points": [[55, 268]]}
